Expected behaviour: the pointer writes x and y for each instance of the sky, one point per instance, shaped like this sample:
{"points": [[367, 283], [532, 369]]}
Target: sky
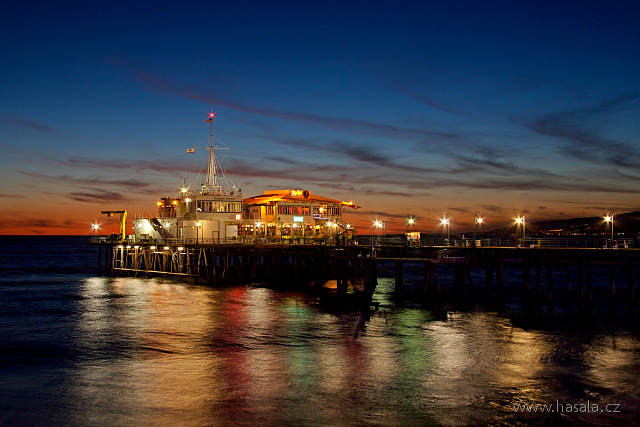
{"points": [[423, 109]]}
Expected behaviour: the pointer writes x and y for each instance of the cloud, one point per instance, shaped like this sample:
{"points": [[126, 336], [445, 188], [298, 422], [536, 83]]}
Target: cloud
{"points": [[627, 176], [368, 154], [365, 180], [376, 190], [97, 195], [457, 209], [587, 144], [32, 222], [168, 165], [346, 152], [491, 208], [25, 124], [361, 127], [489, 164], [414, 93], [130, 183]]}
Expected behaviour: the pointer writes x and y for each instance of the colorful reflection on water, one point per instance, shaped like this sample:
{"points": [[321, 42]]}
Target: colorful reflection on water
{"points": [[141, 352]]}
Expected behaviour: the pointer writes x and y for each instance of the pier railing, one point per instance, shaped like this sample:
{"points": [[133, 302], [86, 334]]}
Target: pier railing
{"points": [[376, 241], [505, 242], [239, 240]]}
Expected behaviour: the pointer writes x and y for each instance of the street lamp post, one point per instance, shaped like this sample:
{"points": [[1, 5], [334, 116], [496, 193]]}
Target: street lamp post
{"points": [[609, 218], [521, 220], [445, 221], [477, 219], [379, 225], [407, 221]]}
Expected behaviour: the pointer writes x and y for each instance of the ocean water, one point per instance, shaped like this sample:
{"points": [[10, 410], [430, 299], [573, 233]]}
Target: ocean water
{"points": [[78, 349]]}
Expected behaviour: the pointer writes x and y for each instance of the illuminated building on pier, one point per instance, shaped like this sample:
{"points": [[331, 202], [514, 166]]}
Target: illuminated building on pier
{"points": [[294, 214]]}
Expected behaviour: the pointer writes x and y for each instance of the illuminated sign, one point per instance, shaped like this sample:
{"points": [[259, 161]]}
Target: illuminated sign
{"points": [[298, 193], [298, 219]]}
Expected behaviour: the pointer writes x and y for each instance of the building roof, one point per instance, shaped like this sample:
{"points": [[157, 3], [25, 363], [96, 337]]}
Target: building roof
{"points": [[274, 196]]}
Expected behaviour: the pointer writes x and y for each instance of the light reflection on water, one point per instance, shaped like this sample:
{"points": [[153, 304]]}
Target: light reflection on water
{"points": [[151, 352]]}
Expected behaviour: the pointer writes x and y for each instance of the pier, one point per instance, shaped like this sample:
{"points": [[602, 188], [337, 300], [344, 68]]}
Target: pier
{"points": [[541, 271]]}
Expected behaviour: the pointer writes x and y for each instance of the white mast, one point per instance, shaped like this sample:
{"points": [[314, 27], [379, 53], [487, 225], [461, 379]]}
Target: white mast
{"points": [[212, 171], [213, 180]]}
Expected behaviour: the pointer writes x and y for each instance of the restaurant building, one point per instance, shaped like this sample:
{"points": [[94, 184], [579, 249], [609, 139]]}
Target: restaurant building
{"points": [[293, 214]]}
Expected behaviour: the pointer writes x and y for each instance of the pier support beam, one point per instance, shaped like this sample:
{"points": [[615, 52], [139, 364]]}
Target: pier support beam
{"points": [[462, 277], [631, 290], [431, 282], [526, 274], [537, 261], [342, 276], [588, 274], [489, 269], [581, 277], [612, 277], [500, 274], [399, 267], [99, 260], [370, 277], [550, 277]]}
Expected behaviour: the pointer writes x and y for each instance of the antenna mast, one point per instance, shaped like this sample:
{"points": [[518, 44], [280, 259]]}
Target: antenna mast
{"points": [[213, 181], [212, 171]]}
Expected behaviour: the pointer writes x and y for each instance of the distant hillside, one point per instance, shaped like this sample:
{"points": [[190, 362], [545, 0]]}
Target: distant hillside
{"points": [[627, 223]]}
